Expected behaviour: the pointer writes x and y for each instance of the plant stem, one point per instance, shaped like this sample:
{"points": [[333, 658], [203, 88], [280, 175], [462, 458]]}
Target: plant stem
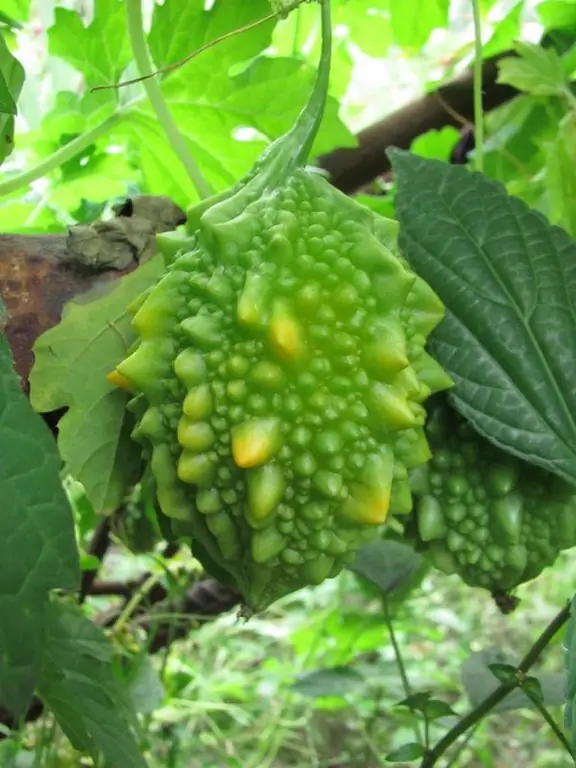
{"points": [[500, 693], [478, 108], [134, 602], [62, 155], [156, 98], [402, 669], [552, 724]]}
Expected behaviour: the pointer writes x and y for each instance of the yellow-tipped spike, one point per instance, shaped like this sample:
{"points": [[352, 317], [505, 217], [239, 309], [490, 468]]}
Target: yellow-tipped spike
{"points": [[369, 499], [286, 334], [390, 408], [255, 442], [266, 487], [252, 310], [118, 380], [146, 367]]}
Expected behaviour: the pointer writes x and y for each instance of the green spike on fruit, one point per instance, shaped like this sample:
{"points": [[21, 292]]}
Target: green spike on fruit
{"points": [[484, 514], [285, 351]]}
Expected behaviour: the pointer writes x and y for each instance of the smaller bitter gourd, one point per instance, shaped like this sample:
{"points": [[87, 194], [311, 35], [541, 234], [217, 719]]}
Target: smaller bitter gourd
{"points": [[484, 514]]}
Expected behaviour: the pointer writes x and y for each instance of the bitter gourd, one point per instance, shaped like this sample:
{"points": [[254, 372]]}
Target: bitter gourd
{"points": [[281, 371], [484, 514]]}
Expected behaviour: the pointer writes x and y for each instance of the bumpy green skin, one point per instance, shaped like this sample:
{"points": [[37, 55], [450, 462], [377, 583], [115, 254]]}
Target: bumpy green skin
{"points": [[480, 512], [281, 373]]}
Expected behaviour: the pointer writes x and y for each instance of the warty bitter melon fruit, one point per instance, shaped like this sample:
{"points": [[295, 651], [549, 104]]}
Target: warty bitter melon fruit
{"points": [[484, 514], [281, 372]]}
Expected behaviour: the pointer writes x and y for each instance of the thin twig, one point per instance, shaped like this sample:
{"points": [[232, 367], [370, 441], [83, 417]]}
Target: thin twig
{"points": [[500, 693], [197, 52]]}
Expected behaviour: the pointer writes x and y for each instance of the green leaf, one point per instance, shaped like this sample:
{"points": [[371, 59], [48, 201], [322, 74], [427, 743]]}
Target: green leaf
{"points": [[435, 709], [72, 361], [11, 82], [438, 144], [336, 681], [561, 175], [506, 31], [407, 752], [261, 97], [368, 25], [79, 686], [479, 682], [386, 563], [101, 50], [37, 546], [414, 20], [508, 280], [416, 702], [505, 673], [17, 10], [557, 14], [536, 70]]}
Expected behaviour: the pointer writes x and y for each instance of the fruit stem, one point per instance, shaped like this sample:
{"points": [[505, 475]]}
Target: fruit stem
{"points": [[310, 118], [156, 98]]}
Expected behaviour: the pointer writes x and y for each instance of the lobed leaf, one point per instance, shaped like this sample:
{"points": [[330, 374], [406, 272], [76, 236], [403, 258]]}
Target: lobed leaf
{"points": [[37, 547], [72, 360], [536, 70], [508, 280]]}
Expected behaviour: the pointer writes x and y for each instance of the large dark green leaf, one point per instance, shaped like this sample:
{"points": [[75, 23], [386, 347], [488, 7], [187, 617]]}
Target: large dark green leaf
{"points": [[79, 685], [37, 545], [508, 280]]}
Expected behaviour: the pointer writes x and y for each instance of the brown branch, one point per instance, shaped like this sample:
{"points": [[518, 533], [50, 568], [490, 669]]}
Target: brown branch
{"points": [[352, 168], [40, 273]]}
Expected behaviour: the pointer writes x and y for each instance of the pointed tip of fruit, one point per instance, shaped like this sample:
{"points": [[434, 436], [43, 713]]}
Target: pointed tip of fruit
{"points": [[255, 442], [119, 380], [286, 335]]}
